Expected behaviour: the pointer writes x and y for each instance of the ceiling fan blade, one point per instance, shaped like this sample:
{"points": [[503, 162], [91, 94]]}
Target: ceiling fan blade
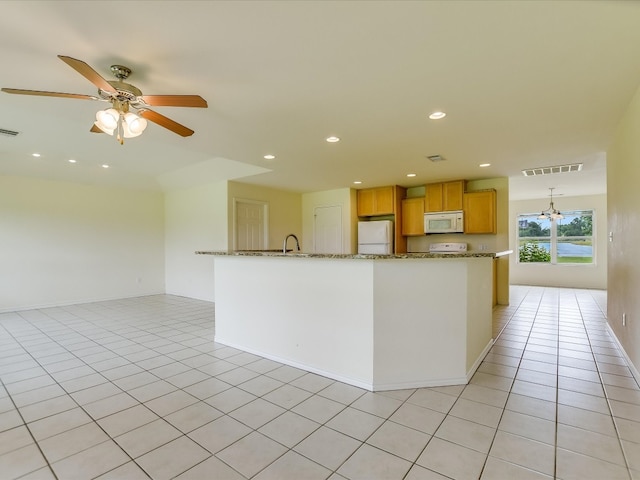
{"points": [[95, 129], [49, 94], [175, 101], [165, 122], [89, 73]]}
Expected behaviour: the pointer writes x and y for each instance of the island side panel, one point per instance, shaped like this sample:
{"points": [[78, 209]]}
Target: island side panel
{"points": [[479, 312], [316, 314], [420, 323]]}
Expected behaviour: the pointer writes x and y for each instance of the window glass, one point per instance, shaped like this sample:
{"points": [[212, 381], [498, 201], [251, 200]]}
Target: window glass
{"points": [[534, 239], [566, 240], [575, 237]]}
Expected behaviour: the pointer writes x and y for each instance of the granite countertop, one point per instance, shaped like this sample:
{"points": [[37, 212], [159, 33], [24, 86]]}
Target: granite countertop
{"points": [[279, 253]]}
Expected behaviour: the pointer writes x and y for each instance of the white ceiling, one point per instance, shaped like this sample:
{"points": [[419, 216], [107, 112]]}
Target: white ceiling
{"points": [[524, 83]]}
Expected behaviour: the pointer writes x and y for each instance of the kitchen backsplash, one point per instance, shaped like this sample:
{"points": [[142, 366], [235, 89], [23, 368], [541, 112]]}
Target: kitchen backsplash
{"points": [[474, 242]]}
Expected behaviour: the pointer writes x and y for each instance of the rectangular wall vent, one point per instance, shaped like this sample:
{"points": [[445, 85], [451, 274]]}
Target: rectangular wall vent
{"points": [[532, 172], [436, 158], [8, 133]]}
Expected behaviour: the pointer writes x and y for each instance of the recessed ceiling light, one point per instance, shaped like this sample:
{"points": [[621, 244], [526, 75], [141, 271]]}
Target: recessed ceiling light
{"points": [[485, 165], [105, 166], [269, 157], [333, 139], [72, 160], [357, 182], [411, 174], [35, 154], [437, 115]]}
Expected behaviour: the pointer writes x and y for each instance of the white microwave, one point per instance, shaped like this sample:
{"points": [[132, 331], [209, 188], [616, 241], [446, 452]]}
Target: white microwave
{"points": [[444, 222]]}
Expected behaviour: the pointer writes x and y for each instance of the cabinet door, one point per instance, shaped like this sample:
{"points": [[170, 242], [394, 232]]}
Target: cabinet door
{"points": [[413, 216], [452, 193], [366, 202], [433, 197], [480, 212], [384, 201]]}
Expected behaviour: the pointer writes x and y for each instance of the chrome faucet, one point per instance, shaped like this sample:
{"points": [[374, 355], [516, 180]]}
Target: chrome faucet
{"points": [[284, 245]]}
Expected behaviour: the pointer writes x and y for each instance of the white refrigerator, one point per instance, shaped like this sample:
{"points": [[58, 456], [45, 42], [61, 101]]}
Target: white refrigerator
{"points": [[375, 237]]}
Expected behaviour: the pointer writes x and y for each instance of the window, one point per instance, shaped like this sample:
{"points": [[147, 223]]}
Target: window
{"points": [[565, 241]]}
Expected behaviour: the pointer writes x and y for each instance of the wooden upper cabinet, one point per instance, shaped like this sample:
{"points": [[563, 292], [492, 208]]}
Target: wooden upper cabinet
{"points": [[444, 197], [480, 212], [413, 216], [385, 200], [366, 202], [433, 197], [376, 201], [452, 193]]}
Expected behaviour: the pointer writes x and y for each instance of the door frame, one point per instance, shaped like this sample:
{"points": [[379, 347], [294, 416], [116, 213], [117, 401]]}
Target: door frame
{"points": [[265, 220]]}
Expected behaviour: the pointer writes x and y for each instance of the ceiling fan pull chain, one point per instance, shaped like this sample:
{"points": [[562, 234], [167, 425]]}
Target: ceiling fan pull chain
{"points": [[120, 136]]}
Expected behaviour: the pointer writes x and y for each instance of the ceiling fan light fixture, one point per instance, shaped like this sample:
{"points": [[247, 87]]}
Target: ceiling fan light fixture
{"points": [[127, 125], [134, 125], [107, 120]]}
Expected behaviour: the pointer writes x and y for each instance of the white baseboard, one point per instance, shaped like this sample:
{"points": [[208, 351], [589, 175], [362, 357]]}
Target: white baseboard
{"points": [[360, 383], [479, 360], [443, 382], [341, 378], [77, 301], [632, 367]]}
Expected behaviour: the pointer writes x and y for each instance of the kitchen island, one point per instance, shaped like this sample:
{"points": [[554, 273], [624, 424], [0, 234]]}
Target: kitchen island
{"points": [[380, 322]]}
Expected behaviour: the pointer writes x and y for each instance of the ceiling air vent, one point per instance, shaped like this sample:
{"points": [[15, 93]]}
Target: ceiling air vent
{"points": [[436, 158], [8, 133], [533, 172]]}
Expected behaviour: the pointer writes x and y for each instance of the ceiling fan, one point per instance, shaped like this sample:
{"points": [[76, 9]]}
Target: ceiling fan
{"points": [[123, 96]]}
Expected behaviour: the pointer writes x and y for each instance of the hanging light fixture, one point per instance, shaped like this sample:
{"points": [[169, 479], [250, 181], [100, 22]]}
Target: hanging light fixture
{"points": [[550, 213], [120, 120]]}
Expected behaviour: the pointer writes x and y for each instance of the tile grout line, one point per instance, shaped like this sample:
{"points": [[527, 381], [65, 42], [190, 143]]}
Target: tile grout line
{"points": [[363, 442], [555, 433], [236, 366], [94, 421], [504, 408], [606, 394], [24, 423], [589, 327]]}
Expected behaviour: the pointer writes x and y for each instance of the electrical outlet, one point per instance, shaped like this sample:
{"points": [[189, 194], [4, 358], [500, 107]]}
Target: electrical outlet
{"points": [[624, 319]]}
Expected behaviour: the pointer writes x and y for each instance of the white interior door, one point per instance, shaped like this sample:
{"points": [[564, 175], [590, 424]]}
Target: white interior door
{"points": [[250, 219], [327, 229]]}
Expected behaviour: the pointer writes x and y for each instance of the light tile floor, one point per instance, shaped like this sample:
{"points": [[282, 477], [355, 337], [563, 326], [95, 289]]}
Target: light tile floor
{"points": [[137, 389]]}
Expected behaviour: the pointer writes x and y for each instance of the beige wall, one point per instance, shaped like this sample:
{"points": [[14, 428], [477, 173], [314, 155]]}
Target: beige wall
{"points": [[201, 218], [285, 211], [623, 178], [346, 199], [576, 276], [195, 219], [63, 243]]}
